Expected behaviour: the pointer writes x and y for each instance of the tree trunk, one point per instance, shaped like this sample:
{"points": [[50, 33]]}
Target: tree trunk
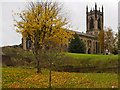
{"points": [[38, 67], [38, 63]]}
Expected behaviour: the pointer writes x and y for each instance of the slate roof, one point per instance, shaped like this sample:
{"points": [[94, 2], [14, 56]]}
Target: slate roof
{"points": [[85, 35]]}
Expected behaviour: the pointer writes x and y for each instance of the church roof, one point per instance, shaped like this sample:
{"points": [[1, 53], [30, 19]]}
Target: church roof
{"points": [[84, 34]]}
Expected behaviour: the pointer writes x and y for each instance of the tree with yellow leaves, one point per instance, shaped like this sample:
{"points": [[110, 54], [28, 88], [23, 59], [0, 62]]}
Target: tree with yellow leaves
{"points": [[101, 40], [43, 23]]}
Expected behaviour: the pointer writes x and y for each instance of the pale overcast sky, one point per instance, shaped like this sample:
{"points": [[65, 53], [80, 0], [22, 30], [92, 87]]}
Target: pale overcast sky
{"points": [[76, 9]]}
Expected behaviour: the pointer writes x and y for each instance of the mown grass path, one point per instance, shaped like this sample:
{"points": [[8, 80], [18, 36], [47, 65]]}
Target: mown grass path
{"points": [[27, 78]]}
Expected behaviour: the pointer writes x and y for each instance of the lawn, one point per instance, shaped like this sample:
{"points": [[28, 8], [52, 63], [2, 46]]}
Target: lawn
{"points": [[92, 56], [27, 78]]}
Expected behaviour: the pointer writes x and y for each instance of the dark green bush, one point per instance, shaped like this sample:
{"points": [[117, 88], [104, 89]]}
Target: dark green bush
{"points": [[77, 45]]}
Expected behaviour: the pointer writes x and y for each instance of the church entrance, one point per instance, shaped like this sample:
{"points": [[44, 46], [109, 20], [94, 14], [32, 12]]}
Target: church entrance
{"points": [[89, 51]]}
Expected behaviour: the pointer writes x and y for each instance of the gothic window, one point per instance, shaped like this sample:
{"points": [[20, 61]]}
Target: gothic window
{"points": [[91, 23], [99, 24], [30, 42], [27, 44]]}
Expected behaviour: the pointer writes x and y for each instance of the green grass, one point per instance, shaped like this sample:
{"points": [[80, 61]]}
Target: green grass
{"points": [[91, 60], [93, 56], [71, 61], [27, 78]]}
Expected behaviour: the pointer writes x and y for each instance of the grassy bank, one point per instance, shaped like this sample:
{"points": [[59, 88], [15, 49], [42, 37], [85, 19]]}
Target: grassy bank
{"points": [[92, 56], [70, 62], [88, 63], [27, 78]]}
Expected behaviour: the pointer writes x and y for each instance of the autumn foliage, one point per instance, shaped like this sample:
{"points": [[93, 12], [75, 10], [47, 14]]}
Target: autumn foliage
{"points": [[26, 78], [43, 23], [108, 41], [102, 41]]}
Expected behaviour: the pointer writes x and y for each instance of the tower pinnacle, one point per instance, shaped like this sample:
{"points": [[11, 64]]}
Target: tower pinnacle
{"points": [[95, 6]]}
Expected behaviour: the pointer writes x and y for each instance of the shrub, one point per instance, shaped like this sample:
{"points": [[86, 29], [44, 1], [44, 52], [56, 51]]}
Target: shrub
{"points": [[77, 45]]}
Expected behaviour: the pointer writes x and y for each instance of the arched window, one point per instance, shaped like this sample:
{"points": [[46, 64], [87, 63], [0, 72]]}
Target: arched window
{"points": [[27, 44], [99, 24], [91, 23]]}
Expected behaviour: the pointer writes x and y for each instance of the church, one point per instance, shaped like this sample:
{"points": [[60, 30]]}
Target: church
{"points": [[94, 24]]}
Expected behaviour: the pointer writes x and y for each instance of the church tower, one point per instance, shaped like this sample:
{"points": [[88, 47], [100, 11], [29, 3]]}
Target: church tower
{"points": [[94, 21]]}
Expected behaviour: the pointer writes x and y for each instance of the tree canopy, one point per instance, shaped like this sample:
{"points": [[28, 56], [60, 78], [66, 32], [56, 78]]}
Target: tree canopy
{"points": [[108, 41], [102, 40], [43, 21], [77, 45], [44, 24]]}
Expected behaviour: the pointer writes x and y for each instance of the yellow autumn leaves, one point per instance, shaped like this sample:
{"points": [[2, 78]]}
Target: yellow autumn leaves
{"points": [[44, 18], [27, 78]]}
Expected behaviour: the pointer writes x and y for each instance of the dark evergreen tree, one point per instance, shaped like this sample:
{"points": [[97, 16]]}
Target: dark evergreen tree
{"points": [[76, 45]]}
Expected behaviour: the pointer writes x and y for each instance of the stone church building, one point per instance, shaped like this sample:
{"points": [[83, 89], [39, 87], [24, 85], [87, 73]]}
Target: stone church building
{"points": [[94, 24]]}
